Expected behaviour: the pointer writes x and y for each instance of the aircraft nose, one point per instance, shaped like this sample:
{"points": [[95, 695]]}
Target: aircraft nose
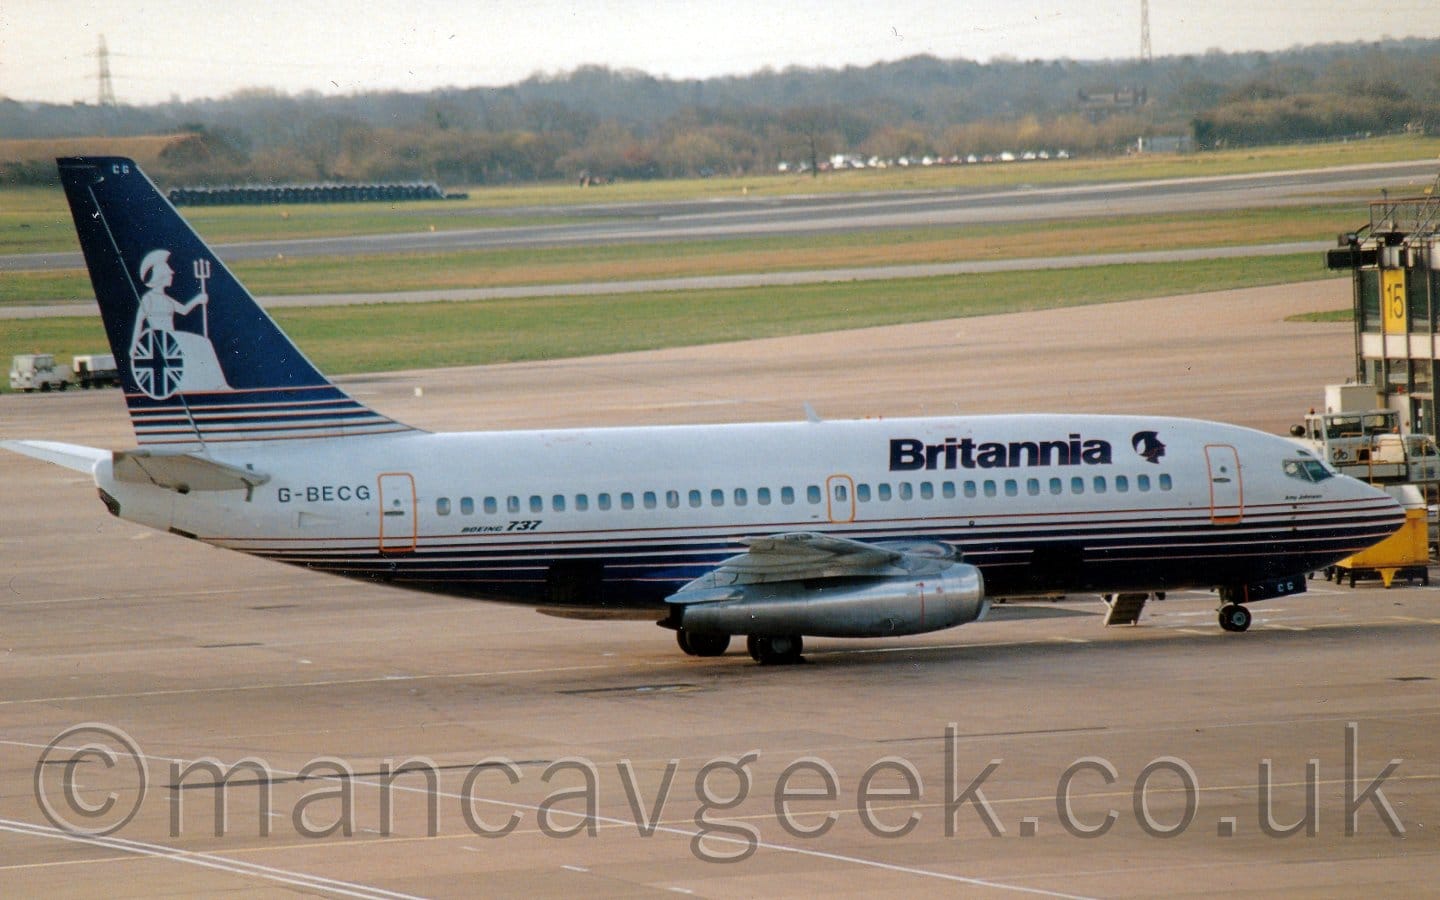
{"points": [[1391, 505]]}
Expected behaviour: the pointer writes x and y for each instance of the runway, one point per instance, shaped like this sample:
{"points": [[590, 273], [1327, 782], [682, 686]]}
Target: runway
{"points": [[939, 764], [758, 216]]}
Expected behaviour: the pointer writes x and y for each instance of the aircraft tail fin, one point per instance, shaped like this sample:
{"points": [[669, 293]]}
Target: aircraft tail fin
{"points": [[201, 362]]}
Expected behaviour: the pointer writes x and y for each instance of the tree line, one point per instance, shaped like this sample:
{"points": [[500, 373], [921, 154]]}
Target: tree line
{"points": [[602, 123]]}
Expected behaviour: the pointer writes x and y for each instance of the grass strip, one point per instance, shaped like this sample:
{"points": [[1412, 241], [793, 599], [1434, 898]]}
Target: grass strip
{"points": [[388, 337], [1332, 315]]}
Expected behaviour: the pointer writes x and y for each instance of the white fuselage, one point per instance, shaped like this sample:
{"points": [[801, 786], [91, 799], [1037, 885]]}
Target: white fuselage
{"points": [[625, 516]]}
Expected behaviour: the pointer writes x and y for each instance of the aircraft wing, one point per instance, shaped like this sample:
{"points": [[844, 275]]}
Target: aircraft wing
{"points": [[801, 555], [184, 472]]}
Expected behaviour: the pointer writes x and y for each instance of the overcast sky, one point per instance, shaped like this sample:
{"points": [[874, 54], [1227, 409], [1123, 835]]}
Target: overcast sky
{"points": [[190, 49]]}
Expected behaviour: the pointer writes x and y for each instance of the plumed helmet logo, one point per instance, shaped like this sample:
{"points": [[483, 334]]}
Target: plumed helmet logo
{"points": [[1147, 444]]}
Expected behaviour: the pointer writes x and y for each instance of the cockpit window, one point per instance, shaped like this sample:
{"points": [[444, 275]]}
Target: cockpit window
{"points": [[1307, 469]]}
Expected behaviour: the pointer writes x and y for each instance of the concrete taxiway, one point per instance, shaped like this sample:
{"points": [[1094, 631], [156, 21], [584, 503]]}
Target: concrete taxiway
{"points": [[839, 776]]}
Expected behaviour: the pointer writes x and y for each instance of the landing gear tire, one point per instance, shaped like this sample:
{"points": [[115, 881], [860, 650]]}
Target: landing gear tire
{"points": [[1234, 617], [703, 643], [775, 650]]}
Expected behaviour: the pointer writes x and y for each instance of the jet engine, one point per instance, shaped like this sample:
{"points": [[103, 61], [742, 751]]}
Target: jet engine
{"points": [[856, 606]]}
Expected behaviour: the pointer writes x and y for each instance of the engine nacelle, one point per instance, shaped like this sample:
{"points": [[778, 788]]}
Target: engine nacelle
{"points": [[837, 607]]}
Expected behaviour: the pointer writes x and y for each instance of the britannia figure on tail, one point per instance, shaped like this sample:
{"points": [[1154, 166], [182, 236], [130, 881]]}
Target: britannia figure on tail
{"points": [[167, 361]]}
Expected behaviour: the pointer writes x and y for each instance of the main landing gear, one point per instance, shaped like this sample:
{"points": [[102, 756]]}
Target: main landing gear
{"points": [[1234, 617], [775, 649], [768, 650], [703, 643]]}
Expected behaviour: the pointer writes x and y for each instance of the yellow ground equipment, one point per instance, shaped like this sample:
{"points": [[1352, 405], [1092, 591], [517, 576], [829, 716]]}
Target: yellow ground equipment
{"points": [[1405, 553]]}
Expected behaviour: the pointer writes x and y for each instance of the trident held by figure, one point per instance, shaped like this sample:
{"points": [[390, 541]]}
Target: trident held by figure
{"points": [[201, 268]]}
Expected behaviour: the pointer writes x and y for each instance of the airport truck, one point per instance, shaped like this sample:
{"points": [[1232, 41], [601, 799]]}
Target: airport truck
{"points": [[38, 372], [95, 370]]}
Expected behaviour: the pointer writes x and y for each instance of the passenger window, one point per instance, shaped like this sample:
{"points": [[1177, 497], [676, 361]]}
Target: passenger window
{"points": [[812, 494], [787, 495], [927, 491], [1012, 489], [841, 493], [883, 491], [650, 500], [491, 506], [1099, 484], [1122, 484], [862, 493], [442, 506], [740, 497], [1032, 487], [582, 502], [970, 489], [557, 502], [762, 495], [948, 489], [512, 504], [1077, 485], [1142, 482], [717, 497], [695, 499], [906, 492], [989, 488], [1165, 483], [1055, 486], [627, 500], [672, 499], [602, 501], [467, 506], [537, 503]]}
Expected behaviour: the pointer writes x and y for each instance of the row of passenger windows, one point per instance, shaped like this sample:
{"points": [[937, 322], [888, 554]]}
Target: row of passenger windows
{"points": [[814, 495]]}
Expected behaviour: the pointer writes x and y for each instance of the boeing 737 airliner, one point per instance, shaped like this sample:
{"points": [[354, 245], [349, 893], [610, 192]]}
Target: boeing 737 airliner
{"points": [[773, 531]]}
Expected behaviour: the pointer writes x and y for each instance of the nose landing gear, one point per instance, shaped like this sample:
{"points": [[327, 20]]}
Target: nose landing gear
{"points": [[1234, 617]]}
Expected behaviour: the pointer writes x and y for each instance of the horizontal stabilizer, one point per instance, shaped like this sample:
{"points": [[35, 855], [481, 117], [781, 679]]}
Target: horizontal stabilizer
{"points": [[184, 472], [71, 456]]}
